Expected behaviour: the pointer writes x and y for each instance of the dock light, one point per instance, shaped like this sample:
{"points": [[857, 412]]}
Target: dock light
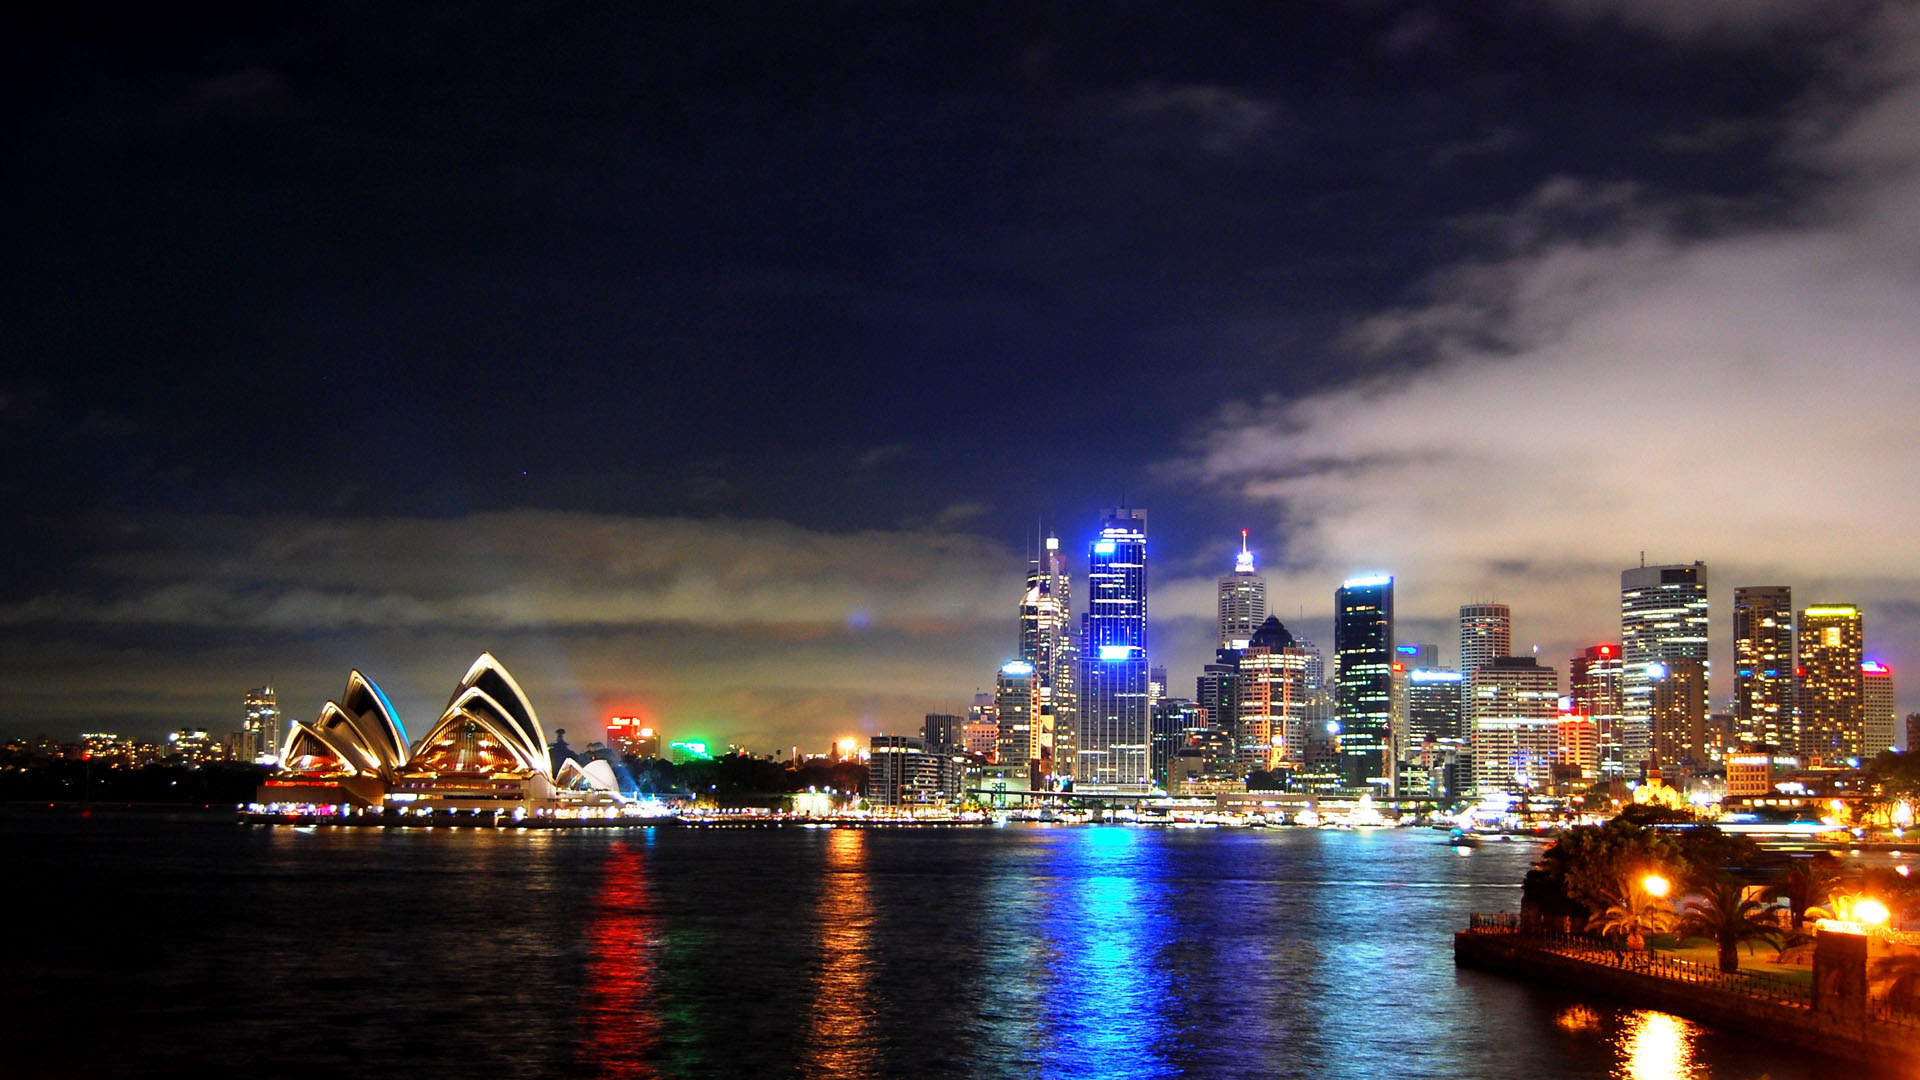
{"points": [[1870, 913], [1655, 885]]}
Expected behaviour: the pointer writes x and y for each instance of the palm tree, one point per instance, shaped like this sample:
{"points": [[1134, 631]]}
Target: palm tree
{"points": [[1633, 913], [1722, 912], [1809, 883]]}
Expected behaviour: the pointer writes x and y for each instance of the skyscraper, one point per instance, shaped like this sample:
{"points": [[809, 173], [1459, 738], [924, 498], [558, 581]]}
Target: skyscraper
{"points": [[1663, 617], [261, 729], [1516, 709], [1270, 728], [1876, 695], [1243, 600], [1680, 714], [1046, 642], [1434, 700], [1763, 712], [1113, 715], [1486, 631], [1363, 642], [1013, 702], [1832, 713], [1595, 685]]}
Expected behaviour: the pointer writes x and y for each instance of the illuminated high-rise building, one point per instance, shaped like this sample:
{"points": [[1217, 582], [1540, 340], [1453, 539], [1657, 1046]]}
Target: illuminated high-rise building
{"points": [[1243, 600], [1363, 644], [1516, 713], [1271, 696], [1046, 642], [1876, 696], [1663, 617], [1434, 702], [1763, 708], [1832, 712], [1013, 705], [261, 730], [1680, 714], [982, 730], [1113, 729], [1486, 631], [1594, 682]]}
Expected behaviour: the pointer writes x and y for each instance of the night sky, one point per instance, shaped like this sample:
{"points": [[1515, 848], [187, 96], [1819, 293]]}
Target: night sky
{"points": [[722, 360]]}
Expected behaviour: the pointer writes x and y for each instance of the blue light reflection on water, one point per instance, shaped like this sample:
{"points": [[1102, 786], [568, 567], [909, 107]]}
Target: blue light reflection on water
{"points": [[1103, 1015]]}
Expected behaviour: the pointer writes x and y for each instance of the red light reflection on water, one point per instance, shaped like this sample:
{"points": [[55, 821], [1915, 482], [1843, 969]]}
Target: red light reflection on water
{"points": [[621, 1026]]}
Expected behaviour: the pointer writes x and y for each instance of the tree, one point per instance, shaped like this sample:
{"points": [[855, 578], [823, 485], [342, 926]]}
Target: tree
{"points": [[1633, 913], [1809, 883], [1723, 913]]}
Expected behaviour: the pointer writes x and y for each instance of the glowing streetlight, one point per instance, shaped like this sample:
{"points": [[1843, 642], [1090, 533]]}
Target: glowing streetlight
{"points": [[1655, 885], [1870, 912]]}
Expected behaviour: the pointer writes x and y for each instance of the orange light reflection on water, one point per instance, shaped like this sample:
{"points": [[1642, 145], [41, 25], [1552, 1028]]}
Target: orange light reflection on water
{"points": [[839, 1030], [1657, 1046], [622, 1028]]}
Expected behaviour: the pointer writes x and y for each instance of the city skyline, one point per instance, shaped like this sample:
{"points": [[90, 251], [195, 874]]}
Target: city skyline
{"points": [[716, 370]]}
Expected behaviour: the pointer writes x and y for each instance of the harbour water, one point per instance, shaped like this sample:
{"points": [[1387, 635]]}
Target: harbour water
{"points": [[182, 944]]}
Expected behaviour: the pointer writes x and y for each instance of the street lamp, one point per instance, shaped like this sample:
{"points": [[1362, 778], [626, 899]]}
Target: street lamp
{"points": [[1655, 885]]}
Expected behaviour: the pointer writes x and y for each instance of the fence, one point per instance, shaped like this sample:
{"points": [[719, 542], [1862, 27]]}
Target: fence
{"points": [[1596, 951]]}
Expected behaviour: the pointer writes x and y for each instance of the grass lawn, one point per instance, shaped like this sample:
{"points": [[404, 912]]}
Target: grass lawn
{"points": [[1759, 962]]}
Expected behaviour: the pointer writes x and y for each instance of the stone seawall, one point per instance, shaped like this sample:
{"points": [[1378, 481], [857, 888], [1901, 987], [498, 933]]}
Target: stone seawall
{"points": [[1795, 1025]]}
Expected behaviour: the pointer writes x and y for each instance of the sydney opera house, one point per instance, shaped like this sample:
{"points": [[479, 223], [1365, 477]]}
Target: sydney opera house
{"points": [[486, 753]]}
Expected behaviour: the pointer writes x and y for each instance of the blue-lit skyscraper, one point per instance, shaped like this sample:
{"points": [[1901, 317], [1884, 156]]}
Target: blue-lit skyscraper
{"points": [[1363, 640], [1113, 717]]}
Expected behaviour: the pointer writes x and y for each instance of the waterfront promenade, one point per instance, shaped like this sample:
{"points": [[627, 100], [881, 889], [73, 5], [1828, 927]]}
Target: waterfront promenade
{"points": [[1763, 1006]]}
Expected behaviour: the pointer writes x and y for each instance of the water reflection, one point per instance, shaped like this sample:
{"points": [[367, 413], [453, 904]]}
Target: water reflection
{"points": [[839, 1032], [1656, 1046], [620, 1019], [1103, 1015]]}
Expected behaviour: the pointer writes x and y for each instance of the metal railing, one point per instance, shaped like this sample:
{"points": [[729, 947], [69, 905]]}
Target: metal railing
{"points": [[1596, 950]]}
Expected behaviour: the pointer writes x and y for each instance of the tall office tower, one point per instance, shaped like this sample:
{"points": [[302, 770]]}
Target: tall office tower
{"points": [[1486, 631], [1913, 732], [1013, 704], [261, 730], [1316, 663], [1594, 682], [1680, 714], [1174, 722], [1577, 757], [1763, 713], [1832, 714], [1363, 644], [1046, 642], [1113, 720], [1876, 696], [983, 727], [1271, 696], [1434, 699], [1516, 711], [1156, 685], [945, 733], [1243, 600], [1216, 688], [1663, 617]]}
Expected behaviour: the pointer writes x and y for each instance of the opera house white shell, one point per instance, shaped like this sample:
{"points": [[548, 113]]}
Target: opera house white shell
{"points": [[487, 751]]}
